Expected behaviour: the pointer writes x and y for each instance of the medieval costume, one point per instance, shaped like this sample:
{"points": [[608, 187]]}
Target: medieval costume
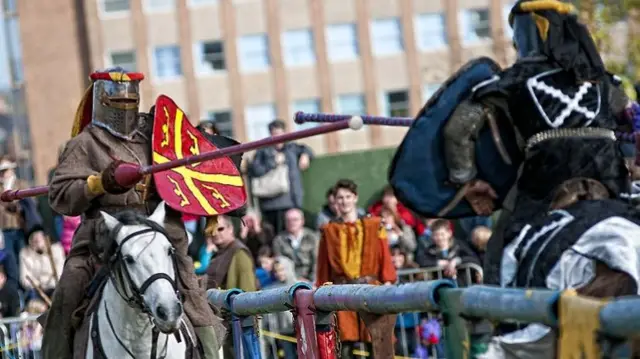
{"points": [[494, 138], [564, 108], [565, 249], [354, 253], [84, 184]]}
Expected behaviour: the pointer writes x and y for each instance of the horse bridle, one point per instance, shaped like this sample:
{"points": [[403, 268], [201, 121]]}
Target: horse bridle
{"points": [[119, 274]]}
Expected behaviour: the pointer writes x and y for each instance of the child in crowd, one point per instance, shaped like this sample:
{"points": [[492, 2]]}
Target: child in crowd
{"points": [[264, 266], [430, 334], [206, 252], [445, 252], [479, 238], [398, 232], [406, 323], [31, 331]]}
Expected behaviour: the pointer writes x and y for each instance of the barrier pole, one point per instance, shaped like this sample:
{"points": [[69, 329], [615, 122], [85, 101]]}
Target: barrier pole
{"points": [[455, 327], [250, 338], [223, 299], [305, 325]]}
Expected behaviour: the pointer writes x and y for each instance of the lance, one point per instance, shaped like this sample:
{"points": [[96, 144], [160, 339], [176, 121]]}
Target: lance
{"points": [[301, 117], [128, 174]]}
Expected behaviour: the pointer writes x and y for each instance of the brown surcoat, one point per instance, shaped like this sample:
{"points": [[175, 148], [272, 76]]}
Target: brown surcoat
{"points": [[89, 153]]}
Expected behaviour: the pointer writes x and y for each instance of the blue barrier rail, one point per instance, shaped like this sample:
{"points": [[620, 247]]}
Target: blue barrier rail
{"points": [[619, 318]]}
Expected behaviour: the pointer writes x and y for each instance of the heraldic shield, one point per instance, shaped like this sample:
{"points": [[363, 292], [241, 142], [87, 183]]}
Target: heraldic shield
{"points": [[203, 189], [418, 173]]}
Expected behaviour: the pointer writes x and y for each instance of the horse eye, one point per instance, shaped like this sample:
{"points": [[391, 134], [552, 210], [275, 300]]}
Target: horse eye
{"points": [[170, 251], [129, 260]]}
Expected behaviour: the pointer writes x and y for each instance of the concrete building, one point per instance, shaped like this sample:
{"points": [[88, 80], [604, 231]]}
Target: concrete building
{"points": [[246, 62]]}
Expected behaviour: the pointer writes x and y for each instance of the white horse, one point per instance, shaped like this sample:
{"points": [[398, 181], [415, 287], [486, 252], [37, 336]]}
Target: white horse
{"points": [[140, 309]]}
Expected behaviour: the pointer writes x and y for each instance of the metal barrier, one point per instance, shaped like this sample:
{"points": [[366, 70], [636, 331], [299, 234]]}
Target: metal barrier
{"points": [[408, 325], [277, 335], [462, 307], [21, 338]]}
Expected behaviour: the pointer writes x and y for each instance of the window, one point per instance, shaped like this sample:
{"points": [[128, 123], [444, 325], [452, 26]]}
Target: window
{"points": [[167, 62], [159, 5], [115, 6], [223, 122], [342, 42], [475, 25], [253, 52], [506, 10], [430, 31], [193, 3], [307, 106], [257, 119], [124, 59], [10, 6], [429, 90], [351, 104], [13, 47], [209, 57], [298, 48], [397, 103], [386, 36]]}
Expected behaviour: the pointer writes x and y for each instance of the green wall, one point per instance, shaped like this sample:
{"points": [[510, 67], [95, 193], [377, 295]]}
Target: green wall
{"points": [[368, 169]]}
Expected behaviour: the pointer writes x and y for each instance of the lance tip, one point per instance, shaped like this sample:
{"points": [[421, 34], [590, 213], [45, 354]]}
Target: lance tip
{"points": [[356, 123]]}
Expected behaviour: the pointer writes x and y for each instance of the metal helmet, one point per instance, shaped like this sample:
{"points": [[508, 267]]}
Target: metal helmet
{"points": [[531, 23], [526, 39], [116, 100]]}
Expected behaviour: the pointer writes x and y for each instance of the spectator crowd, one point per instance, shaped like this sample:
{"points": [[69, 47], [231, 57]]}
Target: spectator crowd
{"points": [[273, 244], [276, 245]]}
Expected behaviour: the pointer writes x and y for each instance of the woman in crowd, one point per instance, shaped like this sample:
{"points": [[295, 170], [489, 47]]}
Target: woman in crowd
{"points": [[398, 232], [37, 272]]}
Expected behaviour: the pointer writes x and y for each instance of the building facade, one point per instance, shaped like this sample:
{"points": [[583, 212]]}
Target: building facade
{"points": [[244, 63]]}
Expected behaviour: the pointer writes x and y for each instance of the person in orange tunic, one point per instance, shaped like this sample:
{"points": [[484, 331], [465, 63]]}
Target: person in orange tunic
{"points": [[353, 250]]}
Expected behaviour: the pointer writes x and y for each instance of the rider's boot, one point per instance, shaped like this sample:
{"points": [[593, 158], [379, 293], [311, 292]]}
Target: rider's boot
{"points": [[208, 339]]}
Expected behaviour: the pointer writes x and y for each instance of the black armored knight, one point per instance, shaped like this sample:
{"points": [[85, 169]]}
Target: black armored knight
{"points": [[516, 134]]}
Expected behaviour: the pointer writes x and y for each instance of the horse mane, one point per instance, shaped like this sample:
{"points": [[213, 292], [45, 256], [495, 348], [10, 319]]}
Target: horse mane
{"points": [[106, 238], [578, 189]]}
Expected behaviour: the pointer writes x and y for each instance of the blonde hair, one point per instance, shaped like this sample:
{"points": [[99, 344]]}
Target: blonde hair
{"points": [[36, 306]]}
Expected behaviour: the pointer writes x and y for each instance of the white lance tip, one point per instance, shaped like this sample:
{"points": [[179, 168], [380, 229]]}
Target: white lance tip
{"points": [[356, 123]]}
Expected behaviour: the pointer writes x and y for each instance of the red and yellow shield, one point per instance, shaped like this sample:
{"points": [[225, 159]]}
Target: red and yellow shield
{"points": [[203, 189]]}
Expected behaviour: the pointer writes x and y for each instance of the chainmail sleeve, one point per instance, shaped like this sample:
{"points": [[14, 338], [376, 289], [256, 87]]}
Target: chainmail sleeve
{"points": [[460, 133]]}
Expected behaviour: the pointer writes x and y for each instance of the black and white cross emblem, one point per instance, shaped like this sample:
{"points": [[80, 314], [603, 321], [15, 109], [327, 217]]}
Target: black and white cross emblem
{"points": [[574, 103]]}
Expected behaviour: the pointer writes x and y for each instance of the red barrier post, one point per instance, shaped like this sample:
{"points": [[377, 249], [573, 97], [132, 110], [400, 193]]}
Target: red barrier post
{"points": [[305, 324]]}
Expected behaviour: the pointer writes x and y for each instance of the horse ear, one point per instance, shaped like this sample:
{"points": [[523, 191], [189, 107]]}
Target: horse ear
{"points": [[159, 213], [109, 220]]}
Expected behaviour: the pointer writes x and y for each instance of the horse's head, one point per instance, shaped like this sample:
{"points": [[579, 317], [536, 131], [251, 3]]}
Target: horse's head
{"points": [[143, 266]]}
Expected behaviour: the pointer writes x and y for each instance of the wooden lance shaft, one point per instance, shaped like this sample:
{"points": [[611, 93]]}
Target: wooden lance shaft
{"points": [[128, 174], [301, 117]]}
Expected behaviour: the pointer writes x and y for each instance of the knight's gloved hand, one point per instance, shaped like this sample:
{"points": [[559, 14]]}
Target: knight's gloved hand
{"points": [[481, 196], [108, 177]]}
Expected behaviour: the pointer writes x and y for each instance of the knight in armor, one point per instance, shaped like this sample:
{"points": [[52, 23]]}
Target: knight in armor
{"points": [[84, 184], [563, 249], [564, 108]]}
